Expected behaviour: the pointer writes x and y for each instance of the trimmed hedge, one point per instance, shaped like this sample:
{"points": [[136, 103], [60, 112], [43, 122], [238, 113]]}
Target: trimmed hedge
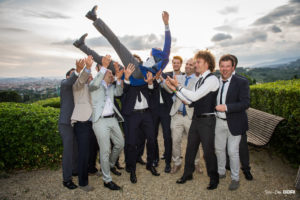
{"points": [[29, 136], [281, 98], [51, 102]]}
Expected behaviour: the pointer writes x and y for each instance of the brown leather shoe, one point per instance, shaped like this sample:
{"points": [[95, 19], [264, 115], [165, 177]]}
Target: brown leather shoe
{"points": [[175, 169], [198, 169]]}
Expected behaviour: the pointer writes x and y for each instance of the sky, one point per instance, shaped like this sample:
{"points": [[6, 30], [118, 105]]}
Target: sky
{"points": [[36, 36]]}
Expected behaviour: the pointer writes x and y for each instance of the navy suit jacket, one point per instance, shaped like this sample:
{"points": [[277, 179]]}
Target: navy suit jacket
{"points": [[167, 98], [237, 102], [130, 95]]}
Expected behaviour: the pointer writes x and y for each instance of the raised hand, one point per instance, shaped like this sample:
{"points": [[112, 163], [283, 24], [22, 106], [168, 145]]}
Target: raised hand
{"points": [[157, 75], [174, 81], [169, 84], [119, 72], [79, 65], [106, 60], [165, 17], [89, 62], [149, 79], [129, 70]]}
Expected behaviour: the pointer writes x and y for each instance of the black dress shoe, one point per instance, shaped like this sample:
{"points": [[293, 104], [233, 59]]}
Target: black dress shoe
{"points": [[155, 163], [80, 41], [183, 179], [168, 168], [163, 157], [140, 160], [152, 170], [92, 14], [118, 166], [212, 185], [93, 170], [115, 172], [111, 185], [248, 175], [70, 185], [133, 178]]}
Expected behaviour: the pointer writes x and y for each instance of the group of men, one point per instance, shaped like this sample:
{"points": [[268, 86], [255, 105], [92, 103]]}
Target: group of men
{"points": [[211, 110]]}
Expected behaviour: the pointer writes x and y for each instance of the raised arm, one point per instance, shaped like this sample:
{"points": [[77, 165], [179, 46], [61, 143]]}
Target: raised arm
{"points": [[95, 83], [84, 75]]}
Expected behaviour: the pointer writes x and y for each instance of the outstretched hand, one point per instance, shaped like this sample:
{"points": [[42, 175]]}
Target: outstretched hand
{"points": [[157, 75], [129, 70], [119, 73], [165, 17], [169, 84], [106, 60], [149, 79], [89, 62], [79, 65], [174, 81]]}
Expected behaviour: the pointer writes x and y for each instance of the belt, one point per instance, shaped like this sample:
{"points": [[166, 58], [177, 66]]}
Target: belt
{"points": [[179, 112], [141, 110], [110, 116], [205, 116], [84, 122]]}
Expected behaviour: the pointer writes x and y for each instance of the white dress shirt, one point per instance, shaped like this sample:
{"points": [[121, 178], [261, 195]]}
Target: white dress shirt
{"points": [[225, 89]]}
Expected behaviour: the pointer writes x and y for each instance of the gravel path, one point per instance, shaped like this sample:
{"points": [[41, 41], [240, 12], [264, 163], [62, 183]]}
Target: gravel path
{"points": [[271, 177]]}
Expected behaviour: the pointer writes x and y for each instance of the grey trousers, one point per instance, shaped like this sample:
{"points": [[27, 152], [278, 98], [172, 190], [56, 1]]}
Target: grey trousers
{"points": [[106, 130], [70, 151], [124, 54], [223, 135]]}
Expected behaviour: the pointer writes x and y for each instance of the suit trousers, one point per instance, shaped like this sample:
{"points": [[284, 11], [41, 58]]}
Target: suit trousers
{"points": [[94, 148], [202, 130], [137, 122], [106, 130], [124, 54], [83, 132], [164, 118], [223, 136], [70, 151], [179, 125]]}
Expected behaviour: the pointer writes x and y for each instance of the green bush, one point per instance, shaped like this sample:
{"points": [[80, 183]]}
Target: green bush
{"points": [[10, 96], [29, 136], [281, 98], [51, 102]]}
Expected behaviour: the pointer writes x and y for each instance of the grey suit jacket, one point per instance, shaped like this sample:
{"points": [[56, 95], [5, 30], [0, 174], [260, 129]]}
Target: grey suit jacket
{"points": [[82, 98], [66, 99], [98, 95]]}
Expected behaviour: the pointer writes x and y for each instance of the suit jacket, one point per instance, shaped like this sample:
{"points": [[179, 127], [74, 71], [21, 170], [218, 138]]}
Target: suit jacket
{"points": [[66, 99], [130, 95], [237, 102], [178, 102], [82, 99], [98, 95]]}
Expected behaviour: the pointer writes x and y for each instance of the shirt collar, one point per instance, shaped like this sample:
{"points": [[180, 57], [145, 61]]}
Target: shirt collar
{"points": [[229, 79], [205, 73], [190, 76]]}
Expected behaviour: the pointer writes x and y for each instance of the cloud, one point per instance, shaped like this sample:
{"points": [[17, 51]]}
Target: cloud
{"points": [[295, 20], [275, 29], [132, 42], [225, 28], [12, 29], [45, 14], [220, 36], [229, 10]]}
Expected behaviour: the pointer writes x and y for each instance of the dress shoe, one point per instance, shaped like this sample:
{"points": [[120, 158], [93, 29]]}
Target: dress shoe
{"points": [[112, 186], [248, 175], [175, 169], [152, 170], [198, 169], [213, 185], [115, 172], [87, 188], [155, 163], [234, 185], [118, 166], [133, 178], [140, 160], [80, 41], [221, 176], [92, 14], [168, 168], [183, 179], [163, 157], [69, 184]]}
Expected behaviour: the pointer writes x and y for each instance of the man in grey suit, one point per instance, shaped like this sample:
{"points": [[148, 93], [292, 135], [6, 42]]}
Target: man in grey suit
{"points": [[69, 157], [105, 114]]}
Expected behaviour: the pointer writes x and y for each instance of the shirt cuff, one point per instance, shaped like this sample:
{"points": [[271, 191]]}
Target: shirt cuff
{"points": [[87, 70], [103, 70], [150, 87], [167, 28], [127, 82]]}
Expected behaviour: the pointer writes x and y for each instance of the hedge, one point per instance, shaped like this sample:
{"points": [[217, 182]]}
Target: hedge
{"points": [[51, 102], [281, 98], [29, 136]]}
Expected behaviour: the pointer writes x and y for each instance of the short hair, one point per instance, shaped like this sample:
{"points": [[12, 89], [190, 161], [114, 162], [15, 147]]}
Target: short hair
{"points": [[235, 60], [69, 72], [208, 57], [227, 57], [178, 58], [98, 66]]}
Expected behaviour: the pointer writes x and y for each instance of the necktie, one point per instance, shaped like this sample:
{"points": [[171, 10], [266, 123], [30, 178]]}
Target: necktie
{"points": [[221, 96], [139, 96], [185, 84], [198, 83]]}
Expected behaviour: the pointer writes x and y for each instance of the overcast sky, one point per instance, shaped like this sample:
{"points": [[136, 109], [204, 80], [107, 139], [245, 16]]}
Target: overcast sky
{"points": [[36, 36]]}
